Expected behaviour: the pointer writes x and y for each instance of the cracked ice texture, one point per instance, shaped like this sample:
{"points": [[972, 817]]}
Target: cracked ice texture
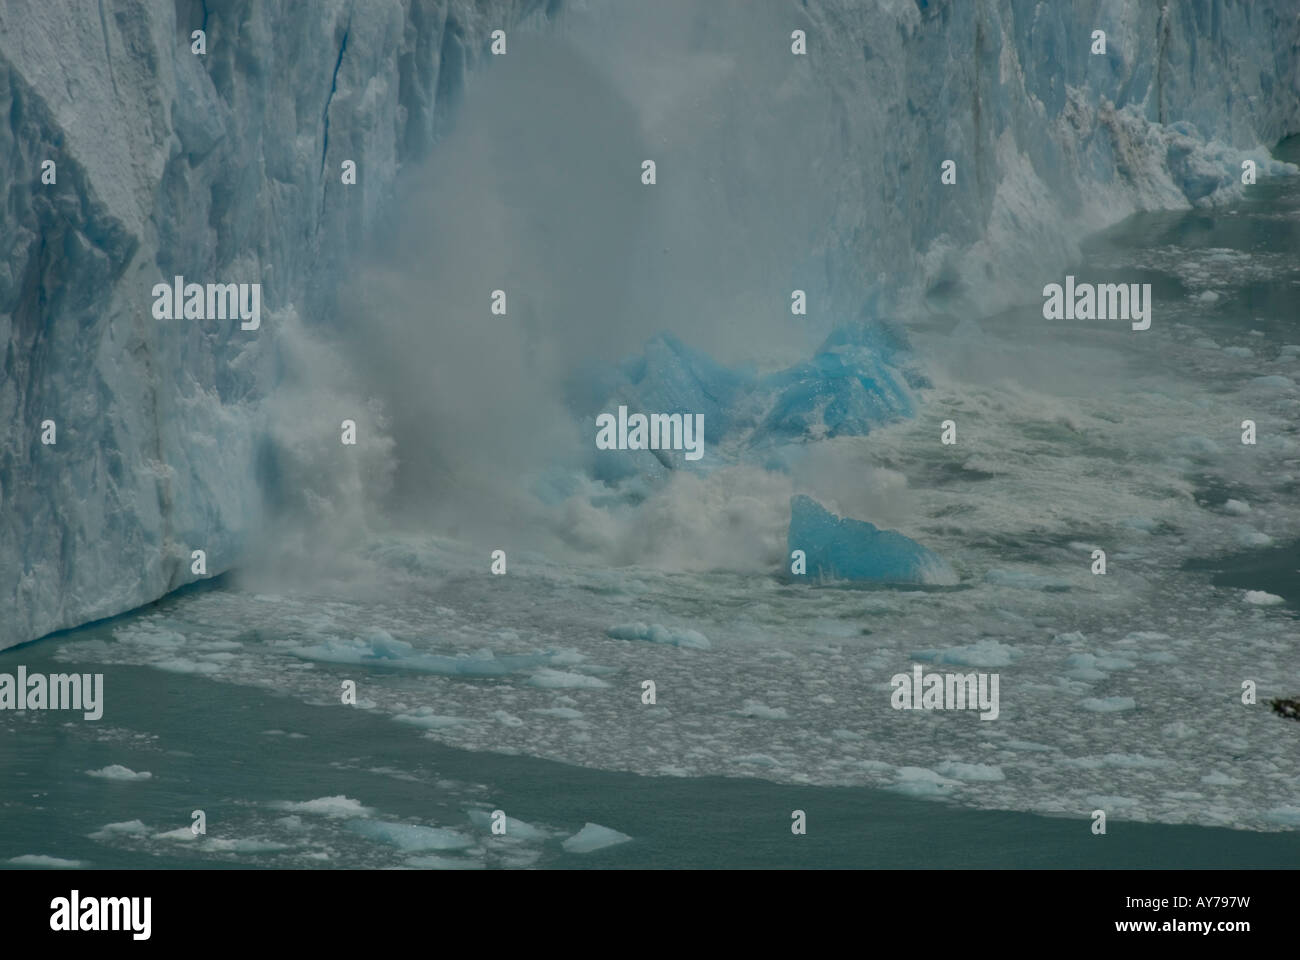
{"points": [[1051, 141], [226, 168], [218, 168]]}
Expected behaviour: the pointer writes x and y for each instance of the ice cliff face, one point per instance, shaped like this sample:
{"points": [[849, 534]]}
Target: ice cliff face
{"points": [[225, 168], [220, 168], [1055, 141]]}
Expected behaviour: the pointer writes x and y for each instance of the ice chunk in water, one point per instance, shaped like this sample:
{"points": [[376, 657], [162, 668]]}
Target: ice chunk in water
{"points": [[847, 549]]}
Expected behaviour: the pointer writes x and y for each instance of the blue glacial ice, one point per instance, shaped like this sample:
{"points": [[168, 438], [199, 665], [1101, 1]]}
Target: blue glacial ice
{"points": [[667, 377], [861, 377], [857, 380], [841, 548]]}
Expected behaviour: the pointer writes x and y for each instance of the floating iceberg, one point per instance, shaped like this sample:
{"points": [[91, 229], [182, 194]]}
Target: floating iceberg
{"points": [[846, 549], [120, 773], [593, 837], [411, 837], [657, 633], [335, 806], [483, 820], [41, 861], [124, 828]]}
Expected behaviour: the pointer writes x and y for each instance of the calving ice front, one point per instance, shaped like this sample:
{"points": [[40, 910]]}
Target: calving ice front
{"points": [[1106, 301], [658, 431]]}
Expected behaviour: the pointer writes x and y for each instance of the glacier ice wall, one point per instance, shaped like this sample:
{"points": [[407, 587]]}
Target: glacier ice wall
{"points": [[225, 168], [220, 168], [1056, 142]]}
